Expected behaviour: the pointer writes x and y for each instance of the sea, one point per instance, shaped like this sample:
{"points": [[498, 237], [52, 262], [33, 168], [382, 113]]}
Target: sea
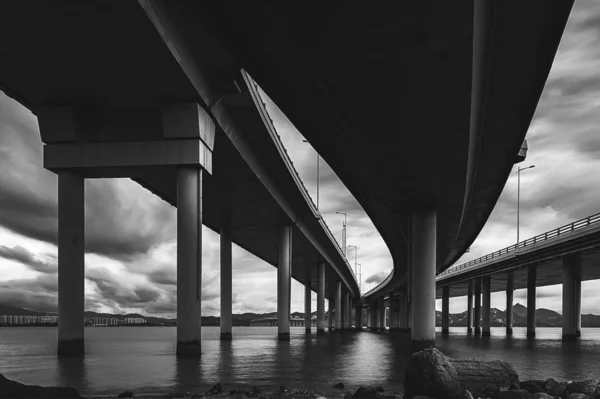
{"points": [[142, 359]]}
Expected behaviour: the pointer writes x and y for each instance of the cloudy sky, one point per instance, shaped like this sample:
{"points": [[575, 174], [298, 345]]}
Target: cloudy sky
{"points": [[130, 233]]}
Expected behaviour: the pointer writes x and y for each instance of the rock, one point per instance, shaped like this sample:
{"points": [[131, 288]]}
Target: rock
{"points": [[544, 395], [513, 394], [16, 390], [364, 392], [216, 389], [554, 388], [126, 394], [339, 385], [579, 396], [532, 386], [587, 387], [431, 373]]}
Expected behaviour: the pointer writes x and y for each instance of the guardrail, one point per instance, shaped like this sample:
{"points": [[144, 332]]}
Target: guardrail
{"points": [[297, 176], [566, 229]]}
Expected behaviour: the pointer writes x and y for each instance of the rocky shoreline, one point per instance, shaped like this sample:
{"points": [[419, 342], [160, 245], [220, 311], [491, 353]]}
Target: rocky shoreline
{"points": [[429, 374]]}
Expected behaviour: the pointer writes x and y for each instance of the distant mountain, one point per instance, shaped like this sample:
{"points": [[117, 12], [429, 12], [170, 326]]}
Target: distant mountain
{"points": [[543, 318], [9, 310]]}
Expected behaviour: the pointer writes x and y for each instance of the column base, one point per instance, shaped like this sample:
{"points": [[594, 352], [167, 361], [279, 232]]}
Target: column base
{"points": [[579, 333], [226, 336], [320, 332], [477, 331], [72, 347], [569, 337], [283, 336], [445, 331], [509, 331], [530, 334], [190, 348], [308, 331], [469, 330], [485, 334], [418, 346]]}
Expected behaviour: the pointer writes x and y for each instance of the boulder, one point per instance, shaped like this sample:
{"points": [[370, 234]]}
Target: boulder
{"points": [[513, 394], [126, 394], [554, 388], [16, 390], [216, 389], [532, 386], [544, 395], [587, 387], [431, 373], [365, 392]]}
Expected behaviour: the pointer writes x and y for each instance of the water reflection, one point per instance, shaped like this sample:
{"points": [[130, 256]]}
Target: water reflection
{"points": [[188, 375], [72, 372]]}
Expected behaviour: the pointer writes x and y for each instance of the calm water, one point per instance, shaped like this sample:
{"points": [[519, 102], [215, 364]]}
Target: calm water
{"points": [[142, 358]]}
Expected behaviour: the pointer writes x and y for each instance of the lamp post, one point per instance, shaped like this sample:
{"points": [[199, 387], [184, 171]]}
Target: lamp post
{"points": [[318, 158], [343, 232], [519, 169]]}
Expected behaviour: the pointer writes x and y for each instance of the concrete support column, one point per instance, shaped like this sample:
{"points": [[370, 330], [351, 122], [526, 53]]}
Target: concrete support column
{"points": [[71, 267], [321, 298], [477, 311], [226, 281], [307, 302], [393, 312], [338, 306], [403, 310], [531, 289], [423, 237], [487, 298], [189, 260], [445, 310], [347, 311], [358, 317], [571, 276], [382, 314], [284, 275], [373, 314], [470, 308], [330, 321], [510, 288]]}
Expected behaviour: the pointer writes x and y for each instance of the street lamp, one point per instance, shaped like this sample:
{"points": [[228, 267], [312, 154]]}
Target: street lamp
{"points": [[318, 157], [519, 169], [343, 231]]}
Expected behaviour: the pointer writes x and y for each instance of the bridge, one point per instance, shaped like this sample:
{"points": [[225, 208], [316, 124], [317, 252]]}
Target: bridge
{"points": [[419, 108]]}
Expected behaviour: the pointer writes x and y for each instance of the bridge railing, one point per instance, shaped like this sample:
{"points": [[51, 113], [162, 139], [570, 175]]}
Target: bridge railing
{"points": [[566, 229], [299, 180]]}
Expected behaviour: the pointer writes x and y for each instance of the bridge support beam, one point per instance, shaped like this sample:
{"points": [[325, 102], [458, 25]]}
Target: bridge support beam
{"points": [[510, 288], [531, 292], [330, 320], [571, 274], [189, 260], [486, 305], [284, 269], [382, 314], [358, 317], [226, 282], [423, 264], [321, 298], [71, 265], [307, 302], [470, 308], [445, 310], [477, 312], [393, 312], [348, 310], [338, 306]]}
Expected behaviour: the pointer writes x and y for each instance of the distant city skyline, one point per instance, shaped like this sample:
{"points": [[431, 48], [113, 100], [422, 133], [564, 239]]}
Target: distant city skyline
{"points": [[130, 233]]}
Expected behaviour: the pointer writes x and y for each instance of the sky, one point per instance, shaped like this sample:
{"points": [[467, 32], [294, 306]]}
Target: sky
{"points": [[130, 233]]}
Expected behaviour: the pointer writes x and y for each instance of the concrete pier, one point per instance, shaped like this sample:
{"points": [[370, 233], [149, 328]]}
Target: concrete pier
{"points": [[338, 306], [470, 308], [358, 317], [321, 298], [330, 317], [71, 267], [226, 281], [393, 312], [571, 275], [477, 312], [423, 258], [189, 260], [446, 310], [382, 314], [510, 288], [284, 281], [307, 303], [486, 305], [403, 311], [531, 292]]}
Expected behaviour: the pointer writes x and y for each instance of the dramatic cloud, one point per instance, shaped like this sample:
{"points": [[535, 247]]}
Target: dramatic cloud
{"points": [[27, 258]]}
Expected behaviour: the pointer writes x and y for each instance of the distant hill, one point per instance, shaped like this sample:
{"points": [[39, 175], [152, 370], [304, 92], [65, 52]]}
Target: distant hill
{"points": [[237, 319], [543, 318]]}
